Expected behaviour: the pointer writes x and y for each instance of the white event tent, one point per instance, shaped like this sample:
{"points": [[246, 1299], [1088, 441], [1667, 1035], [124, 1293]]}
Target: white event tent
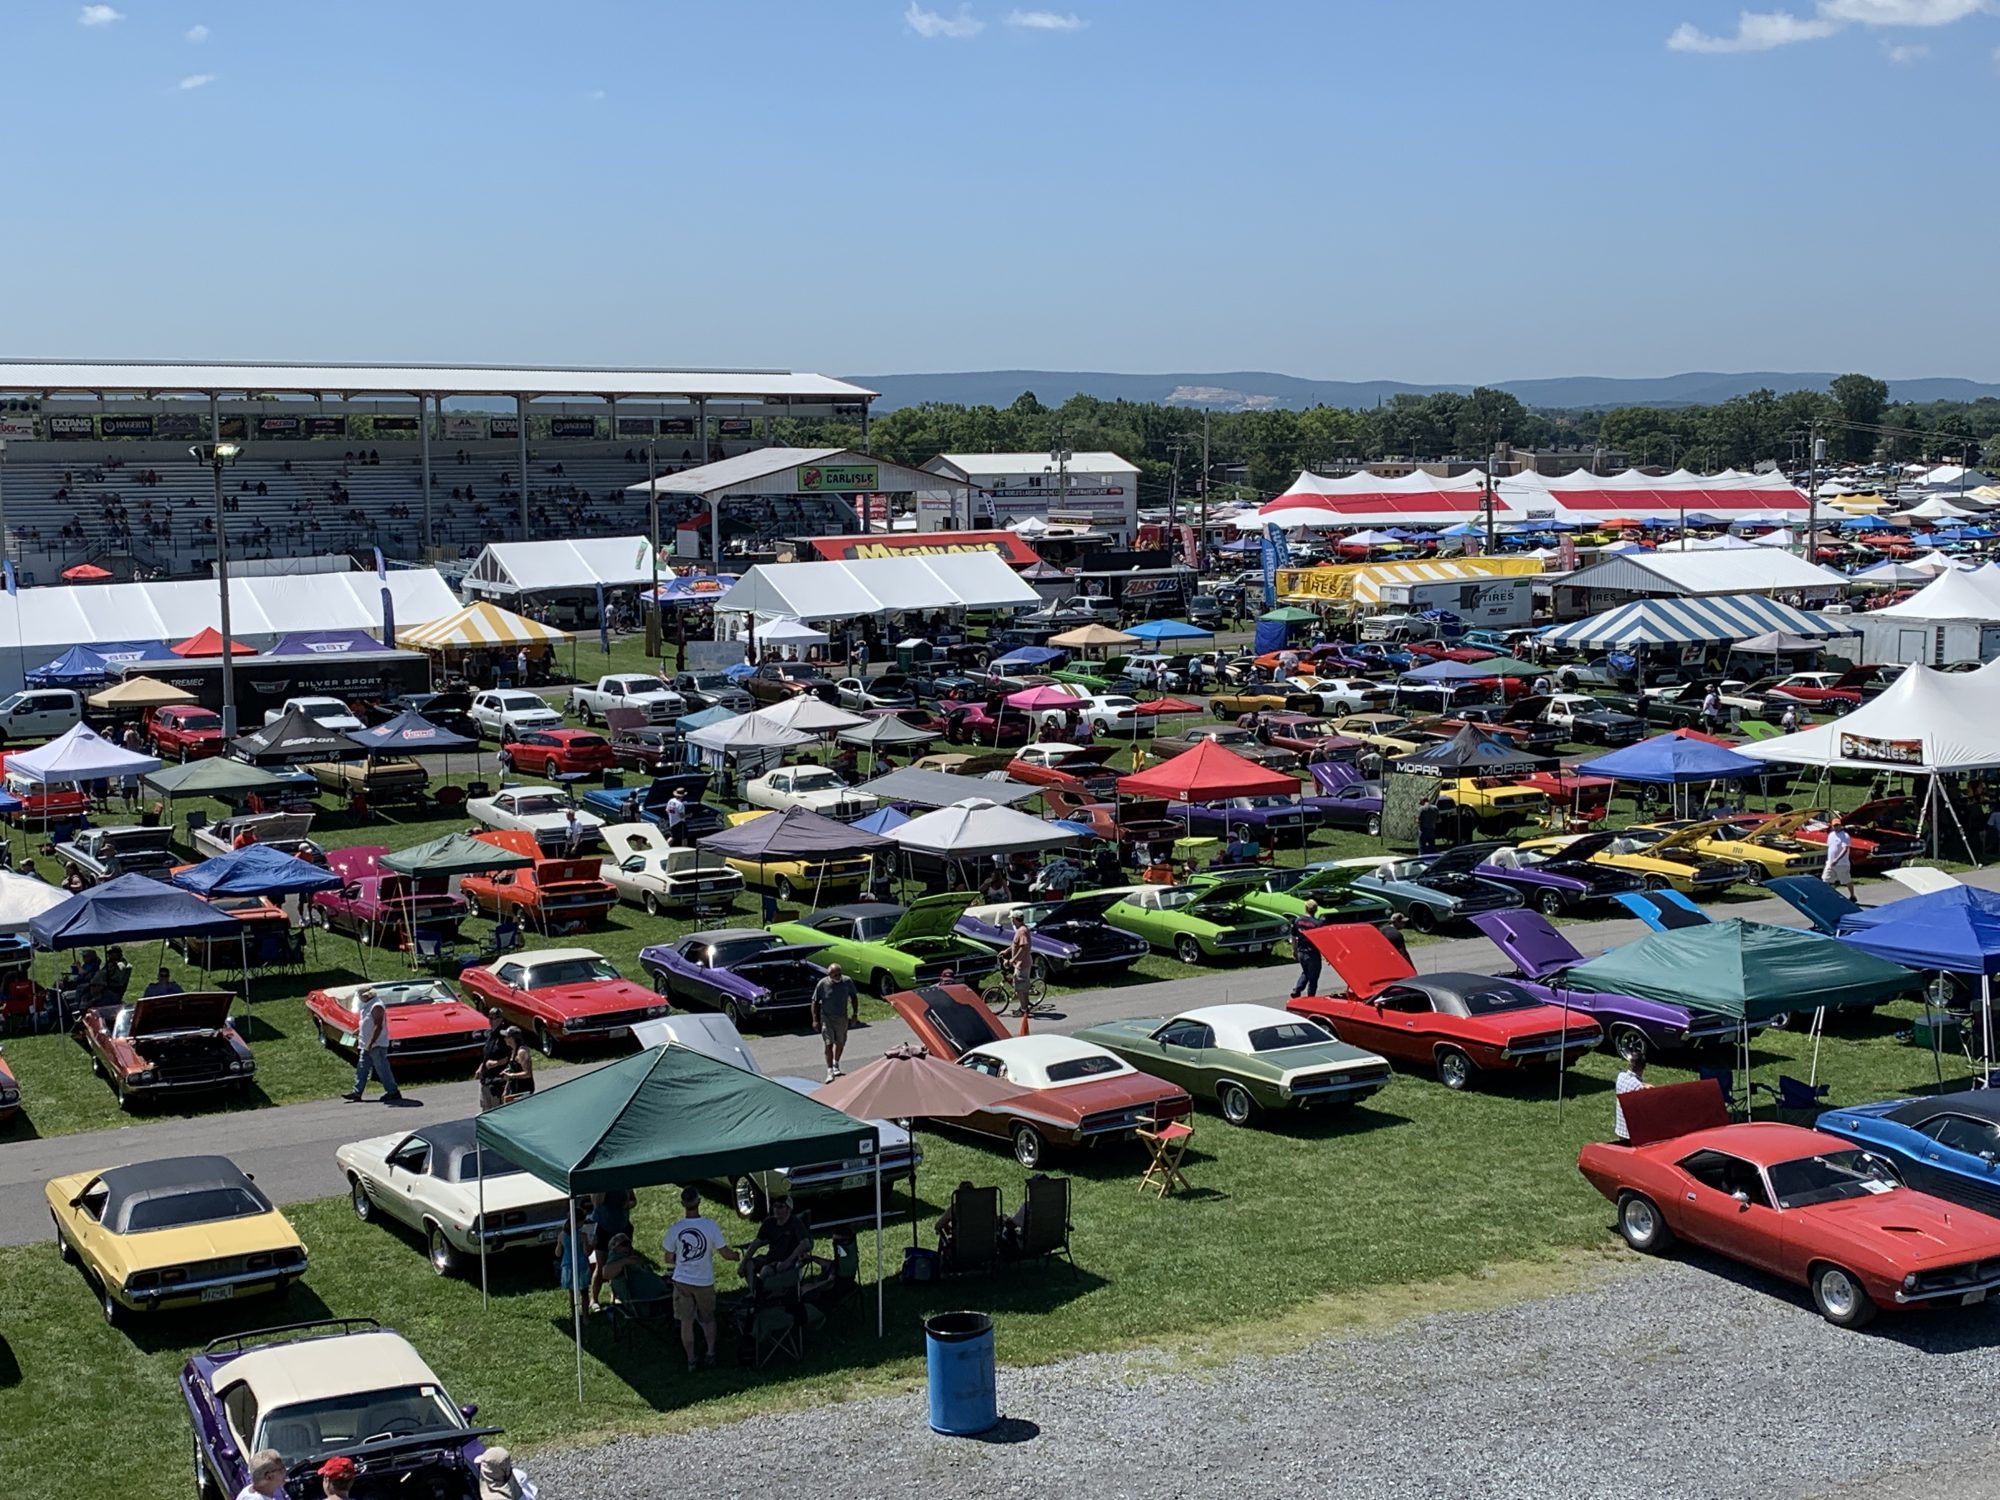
{"points": [[1953, 595], [80, 754], [1366, 499], [877, 586], [975, 828], [807, 715], [576, 564], [1924, 722]]}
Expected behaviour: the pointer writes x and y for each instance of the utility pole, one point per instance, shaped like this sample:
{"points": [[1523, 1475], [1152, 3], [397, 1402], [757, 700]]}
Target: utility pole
{"points": [[1492, 542], [1812, 491], [1201, 537], [1174, 450], [655, 636]]}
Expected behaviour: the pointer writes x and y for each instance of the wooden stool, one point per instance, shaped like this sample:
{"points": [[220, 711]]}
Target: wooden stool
{"points": [[1168, 1145]]}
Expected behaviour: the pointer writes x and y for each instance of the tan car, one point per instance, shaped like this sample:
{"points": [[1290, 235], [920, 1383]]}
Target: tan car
{"points": [[1392, 734]]}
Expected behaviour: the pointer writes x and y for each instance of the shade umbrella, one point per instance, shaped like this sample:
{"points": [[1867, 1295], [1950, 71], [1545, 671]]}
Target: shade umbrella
{"points": [[139, 692], [86, 573], [454, 854], [213, 777], [1093, 634], [1169, 630], [1042, 696]]}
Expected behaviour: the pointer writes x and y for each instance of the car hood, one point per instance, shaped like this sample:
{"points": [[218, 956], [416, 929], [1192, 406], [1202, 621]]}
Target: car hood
{"points": [[198, 1011], [1088, 907], [1365, 960], [1908, 1227], [949, 1019], [1527, 938], [930, 916], [1331, 776], [595, 996]]}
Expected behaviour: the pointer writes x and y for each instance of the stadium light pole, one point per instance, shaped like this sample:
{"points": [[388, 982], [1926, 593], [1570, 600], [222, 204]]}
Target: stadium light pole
{"points": [[215, 455], [656, 636]]}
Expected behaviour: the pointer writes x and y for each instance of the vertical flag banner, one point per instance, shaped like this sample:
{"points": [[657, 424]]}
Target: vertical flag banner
{"points": [[603, 622], [1276, 555], [13, 584], [388, 603]]}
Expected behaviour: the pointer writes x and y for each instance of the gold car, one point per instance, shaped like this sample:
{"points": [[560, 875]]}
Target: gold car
{"points": [[1769, 850], [791, 879], [1665, 861], [178, 1232], [1259, 698], [1389, 733]]}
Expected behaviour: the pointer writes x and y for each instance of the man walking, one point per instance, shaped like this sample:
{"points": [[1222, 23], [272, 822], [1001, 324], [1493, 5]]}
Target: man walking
{"points": [[692, 1243], [1303, 950], [1021, 963], [371, 1053], [835, 1003], [1838, 871], [676, 812]]}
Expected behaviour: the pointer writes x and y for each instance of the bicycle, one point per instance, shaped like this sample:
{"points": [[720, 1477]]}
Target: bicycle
{"points": [[1000, 997]]}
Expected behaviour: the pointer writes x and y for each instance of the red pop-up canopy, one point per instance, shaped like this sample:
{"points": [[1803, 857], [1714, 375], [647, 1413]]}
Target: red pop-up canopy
{"points": [[208, 642], [1208, 773]]}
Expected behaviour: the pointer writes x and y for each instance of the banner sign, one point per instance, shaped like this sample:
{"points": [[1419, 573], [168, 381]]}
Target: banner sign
{"points": [[326, 427], [1190, 546], [280, 426], [635, 427], [1055, 492], [1315, 583], [180, 425], [1276, 554], [463, 429], [504, 426], [1884, 751], [930, 544], [677, 427], [71, 427], [17, 427], [395, 424], [125, 426], [734, 427], [1150, 588], [572, 427], [235, 429], [823, 478]]}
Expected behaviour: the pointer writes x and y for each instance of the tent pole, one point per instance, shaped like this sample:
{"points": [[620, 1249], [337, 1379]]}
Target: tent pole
{"points": [[1818, 1030], [1562, 1057], [879, 1315], [576, 1299], [1986, 1027], [479, 1166]]}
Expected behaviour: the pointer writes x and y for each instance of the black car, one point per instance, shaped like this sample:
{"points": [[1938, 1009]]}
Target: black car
{"points": [[1069, 937], [701, 690], [948, 687], [450, 709], [1606, 726]]}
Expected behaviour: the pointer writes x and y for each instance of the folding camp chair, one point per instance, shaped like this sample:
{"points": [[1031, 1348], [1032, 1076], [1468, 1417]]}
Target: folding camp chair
{"points": [[1045, 1223], [1794, 1095], [774, 1320], [1168, 1145], [834, 1282], [506, 938], [973, 1246]]}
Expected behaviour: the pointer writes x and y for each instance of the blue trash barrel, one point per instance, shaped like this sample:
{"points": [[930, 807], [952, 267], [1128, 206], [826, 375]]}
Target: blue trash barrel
{"points": [[958, 1350]]}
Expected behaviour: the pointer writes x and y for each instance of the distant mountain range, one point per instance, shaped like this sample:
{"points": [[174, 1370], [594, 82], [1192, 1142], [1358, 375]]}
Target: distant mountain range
{"points": [[1249, 390]]}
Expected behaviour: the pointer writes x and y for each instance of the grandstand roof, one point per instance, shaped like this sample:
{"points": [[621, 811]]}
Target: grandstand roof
{"points": [[151, 377], [762, 463]]}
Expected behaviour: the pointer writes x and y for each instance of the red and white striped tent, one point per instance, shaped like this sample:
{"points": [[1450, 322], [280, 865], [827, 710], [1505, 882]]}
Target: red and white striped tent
{"points": [[1368, 500]]}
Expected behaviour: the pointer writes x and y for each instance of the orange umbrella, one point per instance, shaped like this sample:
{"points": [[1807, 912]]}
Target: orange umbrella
{"points": [[85, 573], [1168, 708]]}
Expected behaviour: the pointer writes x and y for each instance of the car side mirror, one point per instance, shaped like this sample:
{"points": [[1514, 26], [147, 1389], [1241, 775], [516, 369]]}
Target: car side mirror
{"points": [[469, 1411]]}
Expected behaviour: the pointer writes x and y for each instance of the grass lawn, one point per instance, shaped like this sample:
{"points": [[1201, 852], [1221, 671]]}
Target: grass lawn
{"points": [[1420, 1185]]}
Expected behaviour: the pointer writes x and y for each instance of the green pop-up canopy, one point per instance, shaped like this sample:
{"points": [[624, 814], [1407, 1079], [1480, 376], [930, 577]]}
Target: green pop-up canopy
{"points": [[1749, 971], [454, 854], [212, 777]]}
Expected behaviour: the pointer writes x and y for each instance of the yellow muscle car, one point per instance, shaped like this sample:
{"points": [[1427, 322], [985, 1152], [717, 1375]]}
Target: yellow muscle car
{"points": [[1662, 859], [1769, 849], [814, 879]]}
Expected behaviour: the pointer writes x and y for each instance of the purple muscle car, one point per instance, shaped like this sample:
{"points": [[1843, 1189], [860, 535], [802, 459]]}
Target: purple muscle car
{"points": [[1542, 956], [1274, 820], [378, 905], [1552, 883], [743, 972], [1067, 937], [1343, 798]]}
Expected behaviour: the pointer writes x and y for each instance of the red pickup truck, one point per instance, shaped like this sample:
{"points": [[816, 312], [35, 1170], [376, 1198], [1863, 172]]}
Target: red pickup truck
{"points": [[551, 895]]}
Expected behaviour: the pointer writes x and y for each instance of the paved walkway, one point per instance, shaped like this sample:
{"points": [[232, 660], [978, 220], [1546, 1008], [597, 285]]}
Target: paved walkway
{"points": [[290, 1149]]}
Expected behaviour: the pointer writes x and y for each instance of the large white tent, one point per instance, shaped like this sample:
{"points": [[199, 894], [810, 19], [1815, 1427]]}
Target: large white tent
{"points": [[1924, 721], [1952, 595], [877, 586], [558, 566], [1368, 499]]}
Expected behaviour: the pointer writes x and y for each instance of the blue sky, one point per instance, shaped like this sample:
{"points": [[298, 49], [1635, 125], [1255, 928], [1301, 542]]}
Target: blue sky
{"points": [[1451, 190]]}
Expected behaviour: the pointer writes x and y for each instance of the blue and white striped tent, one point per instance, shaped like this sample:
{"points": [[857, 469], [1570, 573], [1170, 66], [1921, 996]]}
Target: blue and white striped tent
{"points": [[1717, 619]]}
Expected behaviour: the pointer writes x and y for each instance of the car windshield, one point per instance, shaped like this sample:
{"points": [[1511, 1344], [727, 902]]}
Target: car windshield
{"points": [[517, 702], [1175, 898], [571, 971], [817, 781], [1278, 1038], [741, 950], [1830, 1178], [325, 709], [205, 1206], [474, 1165], [873, 929], [1071, 1069], [199, 721], [416, 992], [710, 682], [533, 805], [307, 1429]]}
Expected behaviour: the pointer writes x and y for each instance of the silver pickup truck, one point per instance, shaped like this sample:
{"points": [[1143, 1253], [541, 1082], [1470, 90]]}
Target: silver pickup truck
{"points": [[106, 853]]}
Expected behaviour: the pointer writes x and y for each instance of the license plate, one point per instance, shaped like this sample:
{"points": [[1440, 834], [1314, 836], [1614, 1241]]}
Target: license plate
{"points": [[548, 1236], [217, 1293], [1972, 1297]]}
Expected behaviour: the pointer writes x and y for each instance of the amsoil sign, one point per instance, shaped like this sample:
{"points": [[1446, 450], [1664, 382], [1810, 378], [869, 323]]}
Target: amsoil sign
{"points": [[814, 478], [928, 544]]}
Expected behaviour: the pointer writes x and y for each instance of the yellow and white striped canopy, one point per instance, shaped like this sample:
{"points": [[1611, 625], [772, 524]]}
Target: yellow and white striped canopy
{"points": [[480, 624]]}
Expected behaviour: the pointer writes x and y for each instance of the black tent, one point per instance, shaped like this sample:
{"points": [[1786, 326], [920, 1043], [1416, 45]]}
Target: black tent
{"points": [[1473, 752], [793, 834], [410, 733], [295, 737]]}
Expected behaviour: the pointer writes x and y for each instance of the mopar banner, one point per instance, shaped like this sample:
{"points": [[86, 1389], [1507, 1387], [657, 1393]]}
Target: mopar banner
{"points": [[178, 424], [677, 427], [1276, 555], [125, 426], [1885, 752], [838, 478], [280, 427], [395, 424], [71, 427], [326, 427], [572, 427]]}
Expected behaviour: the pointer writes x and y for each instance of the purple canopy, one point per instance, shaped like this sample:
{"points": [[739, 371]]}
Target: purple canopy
{"points": [[410, 733], [324, 643], [792, 834]]}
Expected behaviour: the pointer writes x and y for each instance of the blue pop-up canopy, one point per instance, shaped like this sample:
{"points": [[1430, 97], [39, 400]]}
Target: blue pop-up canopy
{"points": [[1673, 760], [124, 653], [256, 870], [1957, 930], [129, 909], [882, 820], [77, 667], [1168, 630], [1031, 656]]}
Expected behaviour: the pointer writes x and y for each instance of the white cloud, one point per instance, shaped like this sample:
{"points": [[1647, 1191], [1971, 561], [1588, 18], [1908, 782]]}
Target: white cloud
{"points": [[1046, 20], [99, 15], [195, 81], [1761, 31], [1907, 52], [595, 95], [931, 23], [196, 34]]}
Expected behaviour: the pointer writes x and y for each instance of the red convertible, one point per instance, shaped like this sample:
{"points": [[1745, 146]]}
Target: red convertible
{"points": [[1456, 1023], [560, 995], [1439, 650], [1072, 1093], [427, 1022], [1801, 1204]]}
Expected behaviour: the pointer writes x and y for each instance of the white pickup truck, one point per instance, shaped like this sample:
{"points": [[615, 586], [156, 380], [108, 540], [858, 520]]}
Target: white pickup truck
{"points": [[649, 695], [39, 714], [328, 713]]}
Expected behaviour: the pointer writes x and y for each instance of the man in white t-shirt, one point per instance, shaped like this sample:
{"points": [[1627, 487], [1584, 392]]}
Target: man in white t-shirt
{"points": [[691, 1245]]}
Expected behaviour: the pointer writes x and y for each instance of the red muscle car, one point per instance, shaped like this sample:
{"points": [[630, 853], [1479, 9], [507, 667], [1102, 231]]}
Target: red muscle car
{"points": [[551, 895], [1800, 1204], [1881, 835], [1072, 1093], [1308, 736], [558, 752], [427, 1022], [561, 995], [184, 731], [1071, 768], [166, 1044], [1442, 650], [976, 724], [1137, 823], [1455, 1023]]}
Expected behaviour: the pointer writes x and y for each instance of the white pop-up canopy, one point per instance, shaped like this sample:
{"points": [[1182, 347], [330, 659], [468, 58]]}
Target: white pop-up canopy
{"points": [[80, 755], [878, 586], [23, 898], [1925, 721], [978, 827], [789, 632], [807, 715], [746, 732], [1954, 595]]}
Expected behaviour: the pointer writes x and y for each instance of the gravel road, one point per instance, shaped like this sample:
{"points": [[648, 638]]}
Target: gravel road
{"points": [[1675, 1378]]}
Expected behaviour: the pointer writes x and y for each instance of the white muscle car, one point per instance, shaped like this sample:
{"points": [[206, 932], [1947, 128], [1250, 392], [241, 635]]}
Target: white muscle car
{"points": [[649, 872], [540, 810], [814, 788]]}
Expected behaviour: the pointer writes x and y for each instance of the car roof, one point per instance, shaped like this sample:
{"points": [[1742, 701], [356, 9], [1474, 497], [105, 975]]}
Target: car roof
{"points": [[1981, 1104], [168, 1177], [319, 1369], [854, 909], [1041, 1050], [1234, 1023], [555, 955], [1761, 1142]]}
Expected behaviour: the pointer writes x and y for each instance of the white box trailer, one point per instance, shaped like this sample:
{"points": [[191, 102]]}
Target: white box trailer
{"points": [[1483, 603], [1935, 643]]}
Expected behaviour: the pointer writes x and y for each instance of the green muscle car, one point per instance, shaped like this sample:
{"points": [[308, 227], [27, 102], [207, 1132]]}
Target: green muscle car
{"points": [[1194, 922], [1284, 893], [1245, 1058], [888, 948]]}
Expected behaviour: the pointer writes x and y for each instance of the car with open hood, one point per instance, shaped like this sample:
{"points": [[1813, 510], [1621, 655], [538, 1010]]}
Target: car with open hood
{"points": [[1552, 882], [1459, 1024], [1246, 1058], [1282, 892], [746, 973], [437, 1181], [1874, 841], [1231, 737], [886, 947], [1633, 1026], [10, 1093], [643, 868], [1343, 798], [1307, 736], [157, 1046], [1084, 769], [1195, 922], [561, 996], [1072, 1092], [380, 906], [554, 894], [1069, 938], [1804, 1205], [544, 811], [1766, 847], [1432, 898], [177, 1232], [428, 1022], [1136, 823], [337, 1387], [1662, 860], [648, 804]]}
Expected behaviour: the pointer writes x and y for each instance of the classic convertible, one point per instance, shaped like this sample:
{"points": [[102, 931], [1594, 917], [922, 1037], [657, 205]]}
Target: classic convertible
{"points": [[1246, 1058], [1069, 938], [744, 972], [1194, 922], [160, 1045], [427, 1022], [1801, 1204], [180, 1231], [1661, 861], [436, 1181], [1071, 1092], [1459, 1024], [1947, 1144], [1552, 883], [887, 947]]}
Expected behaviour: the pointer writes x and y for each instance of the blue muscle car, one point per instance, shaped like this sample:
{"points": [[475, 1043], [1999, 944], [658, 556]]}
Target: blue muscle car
{"points": [[1944, 1144], [648, 804], [1274, 820]]}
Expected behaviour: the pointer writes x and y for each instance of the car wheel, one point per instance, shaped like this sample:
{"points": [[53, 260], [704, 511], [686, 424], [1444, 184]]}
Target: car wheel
{"points": [[732, 1012], [651, 901], [1840, 1297], [324, 1037], [1551, 903], [659, 982], [883, 983], [1423, 918], [126, 1103], [1642, 1224], [1626, 1040], [1373, 827], [550, 769], [443, 1257], [1235, 1101], [544, 1042], [749, 1198], [204, 1481], [785, 889], [589, 716], [357, 1194], [64, 1252], [1454, 1069], [1028, 1147], [113, 1313], [1187, 949], [97, 1067], [1782, 1021], [1655, 883]]}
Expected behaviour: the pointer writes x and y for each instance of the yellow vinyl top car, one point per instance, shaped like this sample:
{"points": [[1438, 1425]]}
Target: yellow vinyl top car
{"points": [[1769, 850], [1664, 860], [1389, 733], [791, 879], [178, 1232], [1257, 698]]}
